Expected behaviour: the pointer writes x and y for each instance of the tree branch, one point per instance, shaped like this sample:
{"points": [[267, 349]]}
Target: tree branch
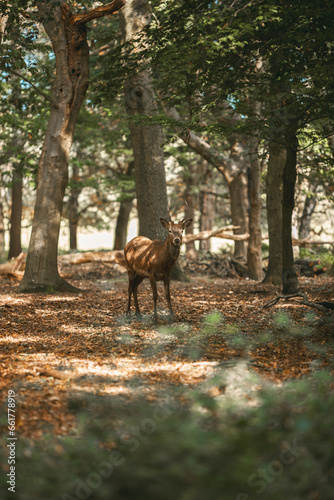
{"points": [[101, 11], [34, 86], [214, 157]]}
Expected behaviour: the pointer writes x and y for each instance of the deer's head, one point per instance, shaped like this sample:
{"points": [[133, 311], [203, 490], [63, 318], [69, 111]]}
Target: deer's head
{"points": [[175, 229]]}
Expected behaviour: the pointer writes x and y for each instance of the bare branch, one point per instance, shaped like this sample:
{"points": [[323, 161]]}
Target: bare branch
{"points": [[34, 86], [100, 11]]}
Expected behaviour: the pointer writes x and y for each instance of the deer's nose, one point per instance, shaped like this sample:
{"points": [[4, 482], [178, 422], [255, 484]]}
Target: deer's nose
{"points": [[177, 241]]}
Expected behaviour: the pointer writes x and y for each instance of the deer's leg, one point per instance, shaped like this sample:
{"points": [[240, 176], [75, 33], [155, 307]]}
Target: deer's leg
{"points": [[136, 282], [167, 294], [130, 289], [155, 294]]}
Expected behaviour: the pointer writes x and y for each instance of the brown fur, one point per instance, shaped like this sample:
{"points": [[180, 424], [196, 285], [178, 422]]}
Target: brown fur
{"points": [[153, 260]]}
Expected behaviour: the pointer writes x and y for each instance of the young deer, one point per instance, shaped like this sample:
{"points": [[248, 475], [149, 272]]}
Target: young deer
{"points": [[153, 260]]}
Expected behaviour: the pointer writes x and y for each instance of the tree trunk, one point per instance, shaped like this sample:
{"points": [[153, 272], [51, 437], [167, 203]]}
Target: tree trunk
{"points": [[147, 140], [121, 229], [2, 229], [15, 247], [207, 205], [309, 207], [234, 169], [73, 213], [290, 280], [190, 178], [239, 212], [276, 163], [125, 208], [68, 36], [254, 251]]}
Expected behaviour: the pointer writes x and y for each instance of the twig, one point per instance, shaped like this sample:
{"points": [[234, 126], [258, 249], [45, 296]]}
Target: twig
{"points": [[34, 86]]}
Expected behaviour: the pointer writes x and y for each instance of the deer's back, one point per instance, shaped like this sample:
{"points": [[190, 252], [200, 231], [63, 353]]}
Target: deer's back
{"points": [[145, 256]]}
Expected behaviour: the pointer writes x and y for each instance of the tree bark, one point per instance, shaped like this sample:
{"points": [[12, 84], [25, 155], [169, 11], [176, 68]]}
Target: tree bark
{"points": [[276, 163], [290, 280], [15, 247], [254, 250], [68, 36], [125, 208], [306, 218], [122, 222], [190, 178], [73, 212], [2, 228], [239, 212], [147, 140], [207, 205]]}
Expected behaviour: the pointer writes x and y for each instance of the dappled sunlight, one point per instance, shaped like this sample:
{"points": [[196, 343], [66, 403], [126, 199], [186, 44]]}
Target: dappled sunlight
{"points": [[15, 338], [54, 347]]}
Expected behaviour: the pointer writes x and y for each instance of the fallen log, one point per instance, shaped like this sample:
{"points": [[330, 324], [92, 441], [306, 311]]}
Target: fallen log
{"points": [[115, 256], [14, 267], [216, 233]]}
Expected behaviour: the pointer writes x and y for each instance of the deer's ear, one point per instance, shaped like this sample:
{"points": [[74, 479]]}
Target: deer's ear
{"points": [[164, 223], [187, 223]]}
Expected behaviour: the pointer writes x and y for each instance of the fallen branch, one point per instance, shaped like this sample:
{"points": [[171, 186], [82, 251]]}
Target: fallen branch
{"points": [[308, 243], [304, 302], [216, 233]]}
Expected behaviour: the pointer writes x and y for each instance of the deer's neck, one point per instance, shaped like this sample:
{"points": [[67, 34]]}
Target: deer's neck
{"points": [[173, 251]]}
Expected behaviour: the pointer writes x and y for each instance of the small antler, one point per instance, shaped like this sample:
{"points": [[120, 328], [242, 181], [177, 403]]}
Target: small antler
{"points": [[186, 215]]}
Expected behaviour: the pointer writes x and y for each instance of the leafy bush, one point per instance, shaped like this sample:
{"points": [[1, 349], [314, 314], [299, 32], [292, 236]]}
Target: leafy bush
{"points": [[210, 448]]}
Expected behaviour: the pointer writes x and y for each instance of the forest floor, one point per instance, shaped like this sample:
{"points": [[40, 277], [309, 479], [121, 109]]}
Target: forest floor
{"points": [[56, 349]]}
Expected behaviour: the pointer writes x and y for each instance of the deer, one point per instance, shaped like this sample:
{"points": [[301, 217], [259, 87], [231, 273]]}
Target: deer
{"points": [[153, 260]]}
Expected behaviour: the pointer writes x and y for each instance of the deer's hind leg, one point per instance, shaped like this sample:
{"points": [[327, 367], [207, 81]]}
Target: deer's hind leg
{"points": [[155, 295], [136, 282]]}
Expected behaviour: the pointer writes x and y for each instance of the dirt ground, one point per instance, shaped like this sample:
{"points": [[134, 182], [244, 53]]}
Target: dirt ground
{"points": [[57, 346]]}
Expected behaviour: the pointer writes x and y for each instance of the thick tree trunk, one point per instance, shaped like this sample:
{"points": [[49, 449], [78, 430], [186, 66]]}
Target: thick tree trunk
{"points": [[69, 89], [147, 140], [276, 163], [254, 251], [67, 33], [290, 280], [15, 247]]}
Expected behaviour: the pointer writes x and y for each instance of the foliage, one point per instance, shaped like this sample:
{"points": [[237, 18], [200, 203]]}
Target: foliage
{"points": [[283, 447]]}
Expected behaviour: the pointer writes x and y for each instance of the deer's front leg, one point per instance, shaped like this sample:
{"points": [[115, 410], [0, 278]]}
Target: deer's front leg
{"points": [[130, 289], [167, 294], [155, 294]]}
